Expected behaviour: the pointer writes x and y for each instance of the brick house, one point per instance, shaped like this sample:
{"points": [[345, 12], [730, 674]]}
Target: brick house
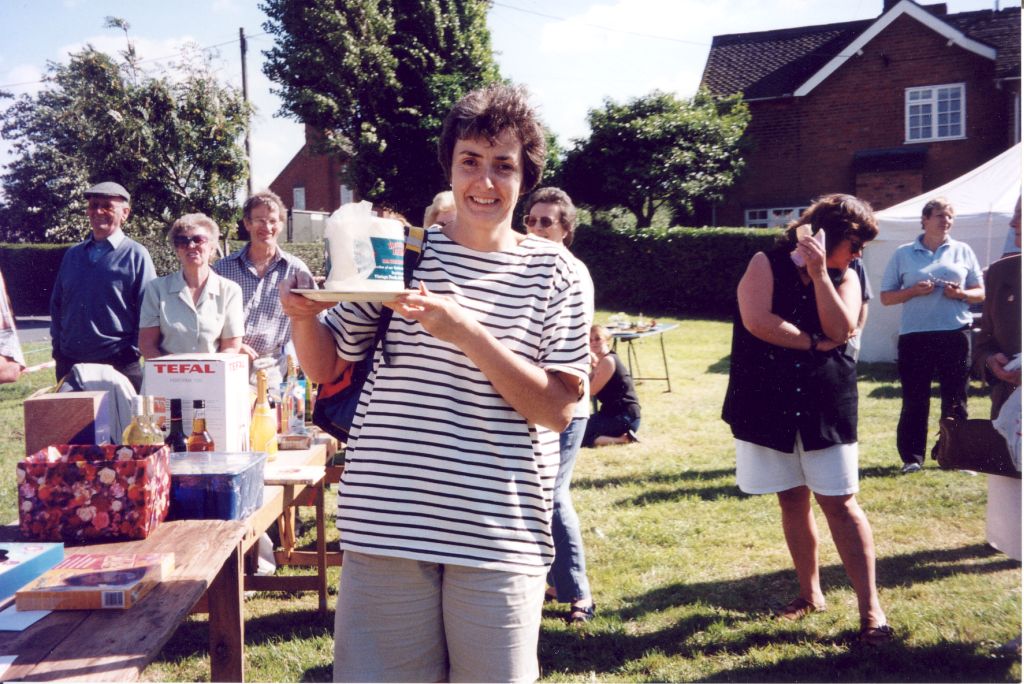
{"points": [[884, 109], [312, 181]]}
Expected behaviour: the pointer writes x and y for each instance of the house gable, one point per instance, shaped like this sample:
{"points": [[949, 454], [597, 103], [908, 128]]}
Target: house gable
{"points": [[911, 9]]}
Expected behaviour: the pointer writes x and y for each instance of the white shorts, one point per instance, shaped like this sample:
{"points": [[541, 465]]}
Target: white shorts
{"points": [[830, 472]]}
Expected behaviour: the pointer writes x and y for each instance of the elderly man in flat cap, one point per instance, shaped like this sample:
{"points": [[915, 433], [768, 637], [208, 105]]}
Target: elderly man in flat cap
{"points": [[94, 308]]}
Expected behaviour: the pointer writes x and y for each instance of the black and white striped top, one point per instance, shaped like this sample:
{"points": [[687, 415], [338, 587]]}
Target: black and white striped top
{"points": [[439, 467]]}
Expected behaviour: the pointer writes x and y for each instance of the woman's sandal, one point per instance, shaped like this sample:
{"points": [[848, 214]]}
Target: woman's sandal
{"points": [[798, 608], [876, 636], [580, 614]]}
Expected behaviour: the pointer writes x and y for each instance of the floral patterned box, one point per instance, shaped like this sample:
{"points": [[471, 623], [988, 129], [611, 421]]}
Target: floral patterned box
{"points": [[79, 493]]}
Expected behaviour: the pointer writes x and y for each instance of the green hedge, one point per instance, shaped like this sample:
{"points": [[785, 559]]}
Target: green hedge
{"points": [[681, 272]]}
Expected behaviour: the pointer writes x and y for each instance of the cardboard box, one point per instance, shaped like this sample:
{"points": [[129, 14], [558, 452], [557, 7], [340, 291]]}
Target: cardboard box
{"points": [[222, 380], [23, 562], [82, 493], [67, 418], [92, 581]]}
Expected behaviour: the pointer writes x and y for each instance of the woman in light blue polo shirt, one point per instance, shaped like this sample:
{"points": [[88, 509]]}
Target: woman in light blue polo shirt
{"points": [[936, 279], [192, 309]]}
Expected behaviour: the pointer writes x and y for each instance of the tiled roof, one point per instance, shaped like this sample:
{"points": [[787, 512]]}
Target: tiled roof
{"points": [[767, 64]]}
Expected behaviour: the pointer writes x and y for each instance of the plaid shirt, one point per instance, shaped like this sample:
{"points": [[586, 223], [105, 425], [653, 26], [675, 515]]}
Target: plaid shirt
{"points": [[267, 328], [9, 345]]}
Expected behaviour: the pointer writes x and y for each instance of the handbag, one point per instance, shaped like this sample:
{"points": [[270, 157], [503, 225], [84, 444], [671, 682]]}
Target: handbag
{"points": [[972, 444], [337, 401]]}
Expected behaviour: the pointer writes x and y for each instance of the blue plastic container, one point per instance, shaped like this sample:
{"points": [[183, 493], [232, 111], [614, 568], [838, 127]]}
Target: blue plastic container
{"points": [[216, 485]]}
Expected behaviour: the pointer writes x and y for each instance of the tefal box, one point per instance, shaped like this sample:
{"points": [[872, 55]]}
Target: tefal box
{"points": [[221, 380], [67, 418]]}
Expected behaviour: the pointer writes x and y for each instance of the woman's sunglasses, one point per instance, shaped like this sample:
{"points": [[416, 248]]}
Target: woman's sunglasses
{"points": [[189, 240], [531, 221]]}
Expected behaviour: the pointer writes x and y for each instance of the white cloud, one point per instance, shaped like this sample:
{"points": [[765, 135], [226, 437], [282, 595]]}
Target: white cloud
{"points": [[23, 79]]}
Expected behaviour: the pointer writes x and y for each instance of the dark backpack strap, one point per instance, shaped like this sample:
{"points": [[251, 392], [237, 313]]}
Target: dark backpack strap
{"points": [[415, 243]]}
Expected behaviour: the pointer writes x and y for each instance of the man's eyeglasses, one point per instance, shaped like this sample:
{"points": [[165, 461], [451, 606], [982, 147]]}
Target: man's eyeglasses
{"points": [[189, 240], [856, 246], [531, 221]]}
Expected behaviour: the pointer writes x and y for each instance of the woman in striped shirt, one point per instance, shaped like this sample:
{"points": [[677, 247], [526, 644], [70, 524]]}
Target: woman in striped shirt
{"points": [[445, 504]]}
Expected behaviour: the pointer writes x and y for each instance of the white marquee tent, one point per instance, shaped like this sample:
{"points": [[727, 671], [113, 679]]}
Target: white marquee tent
{"points": [[983, 200]]}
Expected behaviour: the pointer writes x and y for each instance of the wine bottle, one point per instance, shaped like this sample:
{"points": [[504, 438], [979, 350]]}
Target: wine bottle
{"points": [[200, 439], [263, 427], [176, 439], [137, 431]]}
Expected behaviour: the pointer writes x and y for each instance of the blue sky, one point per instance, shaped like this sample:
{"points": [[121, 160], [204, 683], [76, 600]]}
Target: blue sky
{"points": [[571, 54]]}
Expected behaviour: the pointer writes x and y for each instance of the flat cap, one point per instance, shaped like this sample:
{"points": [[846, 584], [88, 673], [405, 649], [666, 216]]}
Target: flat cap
{"points": [[109, 189]]}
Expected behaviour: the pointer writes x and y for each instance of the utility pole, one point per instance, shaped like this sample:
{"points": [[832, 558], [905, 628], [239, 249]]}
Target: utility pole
{"points": [[245, 97]]}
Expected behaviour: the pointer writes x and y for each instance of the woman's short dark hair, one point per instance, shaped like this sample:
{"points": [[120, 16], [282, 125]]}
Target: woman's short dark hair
{"points": [[566, 209], [489, 113], [840, 216]]}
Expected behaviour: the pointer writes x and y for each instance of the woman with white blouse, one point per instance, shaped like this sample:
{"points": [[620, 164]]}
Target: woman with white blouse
{"points": [[192, 309]]}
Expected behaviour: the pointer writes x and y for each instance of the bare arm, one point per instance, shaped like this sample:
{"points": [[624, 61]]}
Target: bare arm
{"points": [[229, 344], [862, 318], [602, 373], [541, 397], [10, 370], [314, 343], [837, 310], [972, 295], [149, 342], [755, 300]]}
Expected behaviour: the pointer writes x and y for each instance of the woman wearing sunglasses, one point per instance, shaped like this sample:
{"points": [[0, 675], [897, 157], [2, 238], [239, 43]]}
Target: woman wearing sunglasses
{"points": [[192, 309]]}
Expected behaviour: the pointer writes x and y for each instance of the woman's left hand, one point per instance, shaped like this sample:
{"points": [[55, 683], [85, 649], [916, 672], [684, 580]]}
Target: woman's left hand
{"points": [[814, 256], [441, 316]]}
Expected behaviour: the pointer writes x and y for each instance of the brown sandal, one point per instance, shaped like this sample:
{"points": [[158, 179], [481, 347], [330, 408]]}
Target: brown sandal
{"points": [[876, 636], [798, 608]]}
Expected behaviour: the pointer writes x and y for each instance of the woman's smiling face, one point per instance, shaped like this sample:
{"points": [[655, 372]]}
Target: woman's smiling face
{"points": [[486, 180]]}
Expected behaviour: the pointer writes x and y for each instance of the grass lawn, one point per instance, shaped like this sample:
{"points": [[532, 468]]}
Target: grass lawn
{"points": [[685, 569]]}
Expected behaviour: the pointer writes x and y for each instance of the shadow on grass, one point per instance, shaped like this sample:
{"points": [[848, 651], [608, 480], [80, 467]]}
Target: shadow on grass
{"points": [[745, 626], [759, 594], [893, 663], [705, 492], [192, 638]]}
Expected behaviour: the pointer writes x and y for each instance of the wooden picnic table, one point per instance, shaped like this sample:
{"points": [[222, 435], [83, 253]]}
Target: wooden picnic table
{"points": [[116, 645]]}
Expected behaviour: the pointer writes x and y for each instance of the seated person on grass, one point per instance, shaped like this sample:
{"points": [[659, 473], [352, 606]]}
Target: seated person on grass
{"points": [[618, 415]]}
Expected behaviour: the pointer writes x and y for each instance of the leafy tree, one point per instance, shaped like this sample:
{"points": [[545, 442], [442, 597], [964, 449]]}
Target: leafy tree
{"points": [[377, 78], [172, 140], [655, 151]]}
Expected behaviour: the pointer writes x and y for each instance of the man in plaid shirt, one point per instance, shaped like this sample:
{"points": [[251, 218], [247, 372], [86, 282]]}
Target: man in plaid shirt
{"points": [[12, 361], [258, 268]]}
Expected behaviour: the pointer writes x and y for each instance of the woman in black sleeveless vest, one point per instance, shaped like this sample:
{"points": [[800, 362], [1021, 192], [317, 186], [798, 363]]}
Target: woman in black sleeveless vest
{"points": [[792, 396]]}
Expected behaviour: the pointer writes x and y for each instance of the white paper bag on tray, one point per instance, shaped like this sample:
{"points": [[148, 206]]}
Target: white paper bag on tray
{"points": [[363, 252]]}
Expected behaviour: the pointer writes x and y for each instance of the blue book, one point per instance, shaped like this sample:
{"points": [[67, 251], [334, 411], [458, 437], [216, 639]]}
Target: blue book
{"points": [[20, 563]]}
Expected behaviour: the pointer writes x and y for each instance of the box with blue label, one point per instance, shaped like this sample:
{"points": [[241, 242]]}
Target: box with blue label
{"points": [[216, 485], [20, 563]]}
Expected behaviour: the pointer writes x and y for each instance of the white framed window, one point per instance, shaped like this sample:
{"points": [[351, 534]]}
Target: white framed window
{"points": [[771, 217], [935, 112], [299, 198]]}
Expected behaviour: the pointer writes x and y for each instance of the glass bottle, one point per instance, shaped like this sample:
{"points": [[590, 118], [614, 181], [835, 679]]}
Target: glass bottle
{"points": [[200, 439], [138, 431], [176, 439], [151, 419], [294, 401], [263, 426]]}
